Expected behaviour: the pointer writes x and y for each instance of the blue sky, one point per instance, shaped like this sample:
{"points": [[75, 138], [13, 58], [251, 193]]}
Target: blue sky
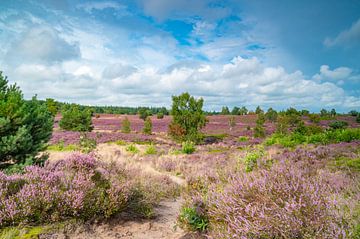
{"points": [[304, 54]]}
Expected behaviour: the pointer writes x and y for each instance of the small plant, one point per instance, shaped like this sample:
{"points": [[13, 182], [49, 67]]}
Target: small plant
{"points": [[188, 147], [338, 125], [75, 119], [160, 115], [259, 130], [86, 144], [251, 159], [190, 217], [132, 149], [150, 150], [243, 139], [147, 126], [126, 126], [232, 122]]}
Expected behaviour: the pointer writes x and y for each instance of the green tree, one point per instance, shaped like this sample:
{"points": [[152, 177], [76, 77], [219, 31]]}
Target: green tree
{"points": [[225, 110], [147, 126], [144, 113], [188, 117], [52, 106], [125, 126], [271, 115], [75, 119], [235, 111], [258, 110], [259, 130], [333, 112], [25, 126], [282, 124]]}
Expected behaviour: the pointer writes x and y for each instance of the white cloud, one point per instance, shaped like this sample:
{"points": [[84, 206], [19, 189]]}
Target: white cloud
{"points": [[347, 37], [42, 44], [338, 75], [89, 7]]}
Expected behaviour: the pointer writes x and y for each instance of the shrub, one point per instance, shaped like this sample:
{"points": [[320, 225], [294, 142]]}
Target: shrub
{"points": [[132, 149], [86, 144], [251, 159], [315, 118], [232, 122], [188, 147], [25, 126], [151, 149], [259, 130], [52, 106], [125, 126], [271, 115], [243, 139], [144, 113], [188, 117], [192, 219], [225, 110], [147, 126], [75, 119], [78, 186], [282, 124], [338, 125], [285, 202], [358, 118], [160, 115]]}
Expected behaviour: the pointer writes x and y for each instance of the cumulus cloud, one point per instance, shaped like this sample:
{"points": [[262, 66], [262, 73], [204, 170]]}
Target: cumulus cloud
{"points": [[347, 37], [42, 44], [338, 75]]}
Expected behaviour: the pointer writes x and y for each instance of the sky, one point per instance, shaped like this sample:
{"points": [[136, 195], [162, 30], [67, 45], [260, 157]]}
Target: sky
{"points": [[272, 53]]}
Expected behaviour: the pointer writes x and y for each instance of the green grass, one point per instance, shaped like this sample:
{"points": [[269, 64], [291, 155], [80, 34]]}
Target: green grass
{"points": [[30, 232], [120, 142], [243, 139], [150, 150], [350, 163], [63, 148], [132, 149]]}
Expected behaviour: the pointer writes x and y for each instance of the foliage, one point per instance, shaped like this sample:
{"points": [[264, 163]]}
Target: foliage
{"points": [[188, 117], [271, 115], [258, 110], [147, 126], [315, 118], [192, 218], [86, 144], [132, 149], [251, 159], [78, 186], [259, 130], [358, 118], [353, 113], [144, 113], [282, 124], [188, 147], [150, 150], [125, 126], [232, 122], [243, 139], [225, 110], [327, 137], [338, 125], [75, 119], [160, 115], [25, 126], [52, 106]]}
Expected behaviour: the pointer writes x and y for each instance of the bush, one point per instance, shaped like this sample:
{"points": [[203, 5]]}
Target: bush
{"points": [[132, 149], [86, 144], [251, 159], [192, 219], [75, 119], [315, 118], [282, 124], [259, 130], [271, 115], [358, 118], [147, 126], [151, 149], [144, 113], [188, 147], [125, 126], [338, 125], [160, 115], [25, 126], [188, 118], [286, 201], [78, 186]]}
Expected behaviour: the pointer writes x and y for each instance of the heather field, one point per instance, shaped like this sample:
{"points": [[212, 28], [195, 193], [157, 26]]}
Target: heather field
{"points": [[134, 185], [179, 119]]}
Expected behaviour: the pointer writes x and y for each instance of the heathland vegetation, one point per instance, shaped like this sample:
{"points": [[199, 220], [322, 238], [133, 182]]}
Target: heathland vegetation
{"points": [[231, 174]]}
